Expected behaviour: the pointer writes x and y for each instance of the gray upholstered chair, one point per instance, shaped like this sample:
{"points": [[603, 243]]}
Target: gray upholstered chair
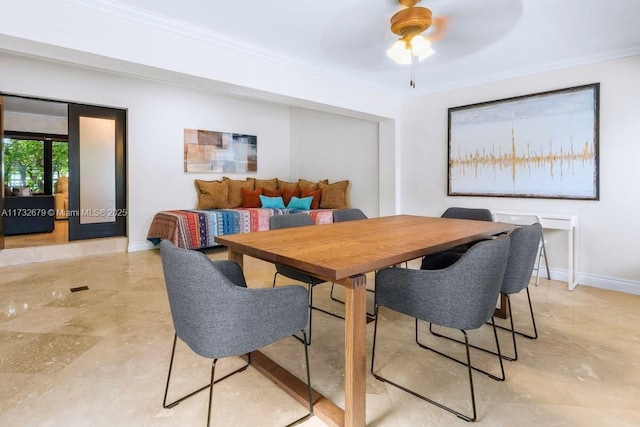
{"points": [[298, 220], [217, 316], [468, 213], [444, 259], [350, 214], [462, 296], [522, 256], [527, 219]]}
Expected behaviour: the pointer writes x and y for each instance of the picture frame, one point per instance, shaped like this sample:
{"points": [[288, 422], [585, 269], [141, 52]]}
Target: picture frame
{"points": [[219, 152], [543, 145]]}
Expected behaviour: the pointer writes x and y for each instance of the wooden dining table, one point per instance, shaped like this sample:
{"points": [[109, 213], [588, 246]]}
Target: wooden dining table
{"points": [[343, 253]]}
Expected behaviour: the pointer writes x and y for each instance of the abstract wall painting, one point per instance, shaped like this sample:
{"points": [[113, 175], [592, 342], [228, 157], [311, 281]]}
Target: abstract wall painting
{"points": [[543, 145], [222, 152]]}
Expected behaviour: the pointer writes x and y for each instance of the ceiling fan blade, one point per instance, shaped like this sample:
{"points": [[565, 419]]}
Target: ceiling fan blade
{"points": [[438, 29]]}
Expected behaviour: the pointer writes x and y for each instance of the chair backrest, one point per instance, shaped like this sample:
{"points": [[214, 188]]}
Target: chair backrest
{"points": [[475, 282], [289, 220], [517, 219], [522, 257], [468, 213], [352, 214], [200, 291], [461, 296]]}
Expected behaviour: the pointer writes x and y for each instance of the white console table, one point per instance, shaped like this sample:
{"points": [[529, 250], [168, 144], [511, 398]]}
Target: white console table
{"points": [[565, 222]]}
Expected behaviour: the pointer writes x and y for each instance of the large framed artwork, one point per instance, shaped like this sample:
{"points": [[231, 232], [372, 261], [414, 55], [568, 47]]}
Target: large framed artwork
{"points": [[543, 145], [210, 151]]}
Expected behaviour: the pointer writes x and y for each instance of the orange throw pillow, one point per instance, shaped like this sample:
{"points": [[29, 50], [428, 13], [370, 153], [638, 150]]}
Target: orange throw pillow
{"points": [[288, 194], [316, 197], [271, 193], [251, 198]]}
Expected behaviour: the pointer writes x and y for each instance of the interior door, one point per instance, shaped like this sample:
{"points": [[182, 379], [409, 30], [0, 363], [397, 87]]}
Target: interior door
{"points": [[97, 180]]}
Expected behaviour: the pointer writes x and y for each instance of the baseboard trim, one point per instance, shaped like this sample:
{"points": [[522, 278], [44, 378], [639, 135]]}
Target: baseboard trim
{"points": [[597, 281], [140, 246]]}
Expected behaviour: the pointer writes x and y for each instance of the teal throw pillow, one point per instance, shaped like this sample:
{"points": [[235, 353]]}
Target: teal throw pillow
{"points": [[272, 202], [300, 203]]}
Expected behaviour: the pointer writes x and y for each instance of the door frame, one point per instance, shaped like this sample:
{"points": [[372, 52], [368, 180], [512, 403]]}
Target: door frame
{"points": [[78, 231]]}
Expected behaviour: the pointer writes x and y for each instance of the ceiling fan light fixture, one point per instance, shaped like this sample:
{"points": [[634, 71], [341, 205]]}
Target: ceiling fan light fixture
{"points": [[421, 47], [412, 47], [399, 52], [402, 51]]}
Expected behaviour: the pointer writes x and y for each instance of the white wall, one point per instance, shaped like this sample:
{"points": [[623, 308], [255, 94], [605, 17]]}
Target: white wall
{"points": [[340, 148], [121, 38], [157, 116], [609, 231], [296, 143]]}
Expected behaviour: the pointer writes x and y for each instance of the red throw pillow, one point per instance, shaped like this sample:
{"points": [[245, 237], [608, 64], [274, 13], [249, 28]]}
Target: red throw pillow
{"points": [[271, 193], [288, 194], [316, 197], [251, 198]]}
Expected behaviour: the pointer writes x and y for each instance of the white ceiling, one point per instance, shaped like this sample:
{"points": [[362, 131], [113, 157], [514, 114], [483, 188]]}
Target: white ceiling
{"points": [[484, 40]]}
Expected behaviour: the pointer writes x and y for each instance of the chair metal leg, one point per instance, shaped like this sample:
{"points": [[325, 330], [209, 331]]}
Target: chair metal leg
{"points": [[306, 340], [311, 308], [166, 390], [242, 368], [309, 395], [213, 372], [511, 329], [533, 320], [413, 393], [497, 353], [342, 302]]}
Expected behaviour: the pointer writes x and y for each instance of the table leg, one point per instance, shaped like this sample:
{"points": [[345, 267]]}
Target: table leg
{"points": [[323, 408], [236, 256], [355, 352]]}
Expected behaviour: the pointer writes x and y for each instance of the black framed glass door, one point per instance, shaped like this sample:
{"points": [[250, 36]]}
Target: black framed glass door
{"points": [[97, 172]]}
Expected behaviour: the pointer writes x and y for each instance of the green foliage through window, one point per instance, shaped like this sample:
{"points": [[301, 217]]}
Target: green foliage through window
{"points": [[24, 163]]}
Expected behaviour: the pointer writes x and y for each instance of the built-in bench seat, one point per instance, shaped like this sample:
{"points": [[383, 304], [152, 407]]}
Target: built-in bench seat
{"points": [[196, 229]]}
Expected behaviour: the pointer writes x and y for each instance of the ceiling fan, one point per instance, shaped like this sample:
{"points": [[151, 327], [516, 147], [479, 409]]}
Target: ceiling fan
{"points": [[409, 23]]}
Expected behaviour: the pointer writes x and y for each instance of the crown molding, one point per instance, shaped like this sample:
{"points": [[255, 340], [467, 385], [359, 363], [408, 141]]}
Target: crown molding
{"points": [[529, 71], [185, 29]]}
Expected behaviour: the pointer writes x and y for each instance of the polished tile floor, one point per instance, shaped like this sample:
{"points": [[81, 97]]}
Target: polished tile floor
{"points": [[99, 357]]}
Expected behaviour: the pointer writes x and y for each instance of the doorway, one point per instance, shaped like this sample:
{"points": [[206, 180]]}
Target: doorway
{"points": [[84, 195]]}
